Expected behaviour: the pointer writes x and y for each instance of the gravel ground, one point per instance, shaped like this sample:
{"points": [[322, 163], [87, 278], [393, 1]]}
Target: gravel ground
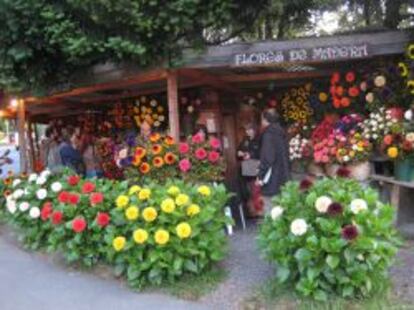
{"points": [[246, 271], [403, 273]]}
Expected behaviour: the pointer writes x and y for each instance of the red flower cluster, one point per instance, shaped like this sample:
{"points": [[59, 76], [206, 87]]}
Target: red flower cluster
{"points": [[343, 94], [73, 180], [46, 211]]}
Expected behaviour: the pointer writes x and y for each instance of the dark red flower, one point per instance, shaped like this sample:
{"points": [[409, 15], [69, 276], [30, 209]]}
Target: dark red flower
{"points": [[88, 187], [343, 172], [103, 219], [63, 197], [46, 211], [407, 146], [96, 198], [74, 199], [349, 232], [57, 217], [305, 184], [73, 180], [78, 225], [335, 209]]}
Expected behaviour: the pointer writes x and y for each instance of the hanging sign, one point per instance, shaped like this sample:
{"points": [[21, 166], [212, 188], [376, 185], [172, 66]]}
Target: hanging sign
{"points": [[335, 52]]}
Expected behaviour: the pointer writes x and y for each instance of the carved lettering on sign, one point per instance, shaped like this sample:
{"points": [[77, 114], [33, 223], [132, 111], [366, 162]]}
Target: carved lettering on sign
{"points": [[302, 54]]}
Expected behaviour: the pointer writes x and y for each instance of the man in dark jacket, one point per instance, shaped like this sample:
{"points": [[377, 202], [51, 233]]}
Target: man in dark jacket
{"points": [[274, 158]]}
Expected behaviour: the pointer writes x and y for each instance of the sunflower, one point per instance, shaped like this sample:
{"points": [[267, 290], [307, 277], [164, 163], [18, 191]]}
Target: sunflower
{"points": [[169, 158], [155, 137], [403, 69], [410, 86], [158, 162], [156, 149], [144, 168], [410, 51]]}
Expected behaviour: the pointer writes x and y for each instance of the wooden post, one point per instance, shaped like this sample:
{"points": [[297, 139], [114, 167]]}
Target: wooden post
{"points": [[31, 147], [21, 115], [173, 111]]}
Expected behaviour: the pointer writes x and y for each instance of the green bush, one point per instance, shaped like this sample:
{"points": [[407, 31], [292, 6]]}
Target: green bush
{"points": [[331, 237]]}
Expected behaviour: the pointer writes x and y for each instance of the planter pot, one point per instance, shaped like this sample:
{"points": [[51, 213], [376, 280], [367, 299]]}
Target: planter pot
{"points": [[331, 170], [315, 169], [360, 171], [404, 170]]}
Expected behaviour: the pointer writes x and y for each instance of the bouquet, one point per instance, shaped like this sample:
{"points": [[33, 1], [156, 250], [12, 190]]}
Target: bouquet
{"points": [[299, 148], [378, 124]]}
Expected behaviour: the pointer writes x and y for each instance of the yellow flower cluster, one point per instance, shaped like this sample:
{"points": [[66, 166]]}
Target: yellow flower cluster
{"points": [[149, 214], [295, 104], [149, 110]]}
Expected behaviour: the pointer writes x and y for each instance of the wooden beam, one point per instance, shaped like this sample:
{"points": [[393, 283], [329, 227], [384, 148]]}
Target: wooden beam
{"points": [[234, 78], [21, 115], [173, 109], [155, 75], [32, 153]]}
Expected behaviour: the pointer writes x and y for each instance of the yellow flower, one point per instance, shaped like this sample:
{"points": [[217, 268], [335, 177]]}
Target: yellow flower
{"points": [[410, 86], [392, 152], [183, 230], [144, 194], [173, 191], [403, 69], [168, 205], [149, 214], [118, 243], [410, 51], [162, 236], [134, 189], [140, 236], [193, 210], [204, 190], [131, 213], [323, 97], [182, 200], [122, 201]]}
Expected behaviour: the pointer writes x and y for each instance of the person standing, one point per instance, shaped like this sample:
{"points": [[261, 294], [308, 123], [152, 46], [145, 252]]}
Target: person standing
{"points": [[90, 157], [69, 153], [274, 158]]}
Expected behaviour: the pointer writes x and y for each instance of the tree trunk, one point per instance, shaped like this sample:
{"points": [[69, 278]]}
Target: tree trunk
{"points": [[367, 4], [268, 28], [283, 23], [392, 13]]}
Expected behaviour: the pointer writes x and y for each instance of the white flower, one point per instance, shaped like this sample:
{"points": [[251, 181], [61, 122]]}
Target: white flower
{"points": [[358, 205], [322, 204], [369, 97], [276, 212], [408, 115], [16, 182], [153, 103], [41, 180], [368, 136], [33, 177], [11, 206], [123, 153], [299, 227], [56, 187], [161, 118], [410, 137], [41, 194], [363, 86], [24, 206], [34, 212], [18, 193], [375, 136], [346, 158], [190, 109], [45, 173], [380, 81]]}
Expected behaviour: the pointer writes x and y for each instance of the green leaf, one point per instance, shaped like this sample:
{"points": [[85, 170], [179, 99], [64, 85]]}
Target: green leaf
{"points": [[190, 266], [320, 295], [332, 261], [282, 273], [303, 255], [119, 270]]}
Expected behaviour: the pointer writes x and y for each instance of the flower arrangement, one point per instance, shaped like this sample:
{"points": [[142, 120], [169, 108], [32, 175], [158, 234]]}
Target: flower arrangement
{"points": [[105, 148], [344, 89], [159, 233], [378, 124], [299, 148], [149, 109], [353, 147], [333, 237], [295, 104]]}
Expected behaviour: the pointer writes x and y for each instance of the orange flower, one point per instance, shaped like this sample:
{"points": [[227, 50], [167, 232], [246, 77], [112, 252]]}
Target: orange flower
{"points": [[136, 161], [388, 139], [7, 181], [169, 158], [7, 192], [336, 103], [169, 140], [156, 149], [339, 90], [345, 102], [158, 162], [140, 152], [145, 168], [154, 137], [353, 91]]}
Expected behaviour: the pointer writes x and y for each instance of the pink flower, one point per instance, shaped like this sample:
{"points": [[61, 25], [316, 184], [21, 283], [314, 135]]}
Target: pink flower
{"points": [[213, 156], [201, 153], [184, 148], [185, 165], [215, 143], [325, 159], [198, 138]]}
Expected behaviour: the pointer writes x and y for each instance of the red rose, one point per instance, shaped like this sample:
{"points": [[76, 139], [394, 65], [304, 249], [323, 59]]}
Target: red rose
{"points": [[74, 199], [96, 198], [88, 187], [46, 211], [63, 197], [57, 217], [201, 154], [78, 225], [102, 219], [73, 180], [213, 156]]}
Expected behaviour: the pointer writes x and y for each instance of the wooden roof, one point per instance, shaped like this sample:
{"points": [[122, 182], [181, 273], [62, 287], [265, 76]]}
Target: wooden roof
{"points": [[231, 68]]}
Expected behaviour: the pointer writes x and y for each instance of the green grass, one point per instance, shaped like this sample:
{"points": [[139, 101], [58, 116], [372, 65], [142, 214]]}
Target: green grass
{"points": [[273, 296], [193, 287]]}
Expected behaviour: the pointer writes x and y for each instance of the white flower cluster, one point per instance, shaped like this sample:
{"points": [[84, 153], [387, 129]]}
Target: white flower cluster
{"points": [[378, 124], [296, 146]]}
